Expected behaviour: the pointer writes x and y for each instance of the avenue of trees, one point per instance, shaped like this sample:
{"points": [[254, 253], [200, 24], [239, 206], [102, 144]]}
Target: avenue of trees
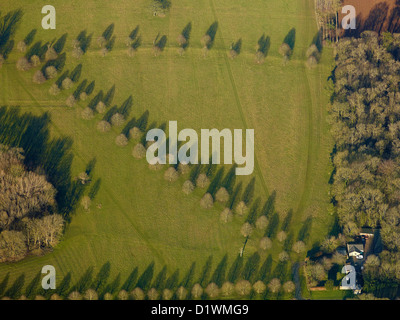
{"points": [[253, 277]]}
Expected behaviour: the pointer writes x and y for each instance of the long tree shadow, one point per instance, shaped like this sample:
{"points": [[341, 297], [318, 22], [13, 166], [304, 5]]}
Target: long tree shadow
{"points": [[290, 38], [53, 156]]}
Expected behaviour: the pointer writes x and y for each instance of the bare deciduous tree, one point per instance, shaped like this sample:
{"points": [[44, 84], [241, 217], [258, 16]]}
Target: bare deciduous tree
{"points": [[241, 208], [262, 223], [243, 287], [139, 151], [274, 285], [226, 215], [171, 175], [259, 287], [104, 126], [265, 243], [207, 201], [246, 229], [197, 291], [121, 140], [187, 187]]}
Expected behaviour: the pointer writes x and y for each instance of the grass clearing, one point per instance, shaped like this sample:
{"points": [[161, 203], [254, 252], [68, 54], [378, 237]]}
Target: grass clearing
{"points": [[143, 218]]}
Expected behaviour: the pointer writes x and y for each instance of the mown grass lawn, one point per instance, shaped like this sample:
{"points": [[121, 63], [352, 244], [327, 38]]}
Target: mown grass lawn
{"points": [[143, 218]]}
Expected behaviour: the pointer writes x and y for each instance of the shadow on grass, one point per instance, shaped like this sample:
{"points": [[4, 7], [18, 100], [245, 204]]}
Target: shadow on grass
{"points": [[51, 155]]}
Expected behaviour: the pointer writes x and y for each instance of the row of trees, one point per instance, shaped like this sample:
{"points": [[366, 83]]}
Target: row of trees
{"points": [[243, 278], [327, 12], [107, 40]]}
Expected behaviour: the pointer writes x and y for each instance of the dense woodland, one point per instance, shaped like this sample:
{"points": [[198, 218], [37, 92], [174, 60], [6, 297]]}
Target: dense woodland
{"points": [[27, 204], [365, 118]]}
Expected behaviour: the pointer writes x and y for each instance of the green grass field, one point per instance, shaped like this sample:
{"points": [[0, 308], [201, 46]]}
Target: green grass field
{"points": [[143, 218]]}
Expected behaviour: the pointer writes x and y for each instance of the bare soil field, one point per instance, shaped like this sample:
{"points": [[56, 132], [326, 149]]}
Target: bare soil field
{"points": [[375, 15]]}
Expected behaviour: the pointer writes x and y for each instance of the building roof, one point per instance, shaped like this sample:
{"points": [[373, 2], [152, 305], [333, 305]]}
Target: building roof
{"points": [[367, 230], [341, 250], [355, 247]]}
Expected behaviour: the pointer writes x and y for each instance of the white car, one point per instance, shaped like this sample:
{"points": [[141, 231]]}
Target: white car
{"points": [[359, 257]]}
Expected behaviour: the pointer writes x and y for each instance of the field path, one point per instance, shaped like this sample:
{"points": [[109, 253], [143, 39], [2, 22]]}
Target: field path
{"points": [[313, 139], [238, 103]]}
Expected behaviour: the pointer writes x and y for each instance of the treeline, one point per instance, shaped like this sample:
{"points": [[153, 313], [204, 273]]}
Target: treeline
{"points": [[365, 119], [244, 278]]}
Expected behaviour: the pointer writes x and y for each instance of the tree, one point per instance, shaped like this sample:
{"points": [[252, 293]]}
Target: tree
{"points": [[67, 83], [283, 256], [51, 54], [235, 49], [329, 244], [121, 140], [101, 107], [299, 247], [74, 295], [241, 208], [181, 293], [281, 236], [12, 246], [23, 64], [38, 77], [202, 180], [90, 294], [108, 296], [265, 244], [123, 295], [86, 202], [259, 287], [117, 120], [137, 294], [139, 151], [226, 215], [207, 201], [262, 223], [54, 89], [212, 290], [289, 287], [246, 229], [88, 114], [171, 175], [197, 291], [167, 294], [274, 285], [227, 289], [70, 102], [243, 287], [222, 195], [284, 50], [103, 126], [188, 187]]}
